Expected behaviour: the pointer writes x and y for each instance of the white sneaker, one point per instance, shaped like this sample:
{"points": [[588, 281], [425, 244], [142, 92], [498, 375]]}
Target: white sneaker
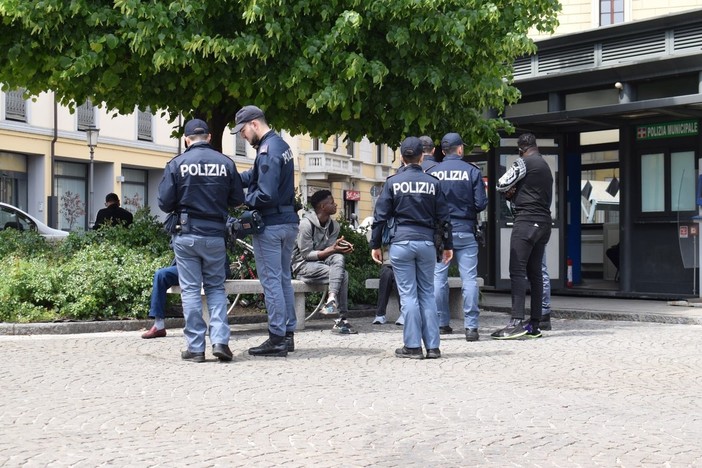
{"points": [[379, 320], [400, 321]]}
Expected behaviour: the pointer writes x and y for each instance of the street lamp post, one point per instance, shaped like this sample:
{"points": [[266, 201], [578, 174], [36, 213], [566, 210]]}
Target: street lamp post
{"points": [[91, 135]]}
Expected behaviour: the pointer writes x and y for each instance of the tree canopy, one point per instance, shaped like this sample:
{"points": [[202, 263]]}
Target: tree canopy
{"points": [[377, 68]]}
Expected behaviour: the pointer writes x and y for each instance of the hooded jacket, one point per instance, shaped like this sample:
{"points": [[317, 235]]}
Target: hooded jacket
{"points": [[312, 238]]}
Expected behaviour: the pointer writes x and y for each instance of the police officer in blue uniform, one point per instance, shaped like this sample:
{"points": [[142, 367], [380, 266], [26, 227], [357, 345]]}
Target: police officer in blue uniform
{"points": [[528, 184], [271, 191], [462, 183], [200, 184], [428, 160], [418, 206]]}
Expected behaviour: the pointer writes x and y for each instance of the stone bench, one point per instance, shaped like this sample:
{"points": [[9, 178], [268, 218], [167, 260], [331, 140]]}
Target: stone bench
{"points": [[455, 297], [253, 286]]}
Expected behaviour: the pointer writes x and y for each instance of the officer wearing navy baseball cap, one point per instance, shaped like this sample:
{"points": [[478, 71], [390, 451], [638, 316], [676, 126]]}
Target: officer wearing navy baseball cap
{"points": [[200, 185], [271, 191], [418, 206], [462, 183]]}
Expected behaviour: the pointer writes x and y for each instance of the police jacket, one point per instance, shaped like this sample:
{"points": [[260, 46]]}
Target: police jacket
{"points": [[428, 162], [271, 181], [203, 183], [312, 238], [415, 200], [462, 183], [531, 176]]}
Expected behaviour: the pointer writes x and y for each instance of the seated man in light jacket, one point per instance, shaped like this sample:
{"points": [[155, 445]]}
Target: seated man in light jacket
{"points": [[318, 257]]}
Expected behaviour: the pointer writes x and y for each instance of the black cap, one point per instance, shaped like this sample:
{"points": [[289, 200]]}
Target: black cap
{"points": [[427, 142], [196, 127], [451, 140], [247, 114], [411, 147]]}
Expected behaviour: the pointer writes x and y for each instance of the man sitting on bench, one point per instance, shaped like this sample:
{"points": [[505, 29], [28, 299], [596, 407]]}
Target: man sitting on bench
{"points": [[318, 257]]}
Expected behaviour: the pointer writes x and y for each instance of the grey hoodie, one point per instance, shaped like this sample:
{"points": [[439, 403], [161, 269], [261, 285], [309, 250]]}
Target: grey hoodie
{"points": [[312, 238]]}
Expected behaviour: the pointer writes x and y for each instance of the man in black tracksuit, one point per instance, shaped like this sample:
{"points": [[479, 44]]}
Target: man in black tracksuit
{"points": [[528, 184]]}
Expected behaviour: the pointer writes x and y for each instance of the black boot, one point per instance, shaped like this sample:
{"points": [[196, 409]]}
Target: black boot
{"points": [[273, 346], [290, 341]]}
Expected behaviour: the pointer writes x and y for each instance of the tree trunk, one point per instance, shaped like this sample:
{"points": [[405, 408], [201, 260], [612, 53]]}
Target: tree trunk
{"points": [[217, 120]]}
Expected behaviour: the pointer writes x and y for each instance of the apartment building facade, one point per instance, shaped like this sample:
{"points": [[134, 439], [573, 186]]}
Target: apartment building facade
{"points": [[46, 163]]}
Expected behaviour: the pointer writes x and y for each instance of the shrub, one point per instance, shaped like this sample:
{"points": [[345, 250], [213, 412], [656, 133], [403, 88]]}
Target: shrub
{"points": [[107, 281], [23, 243], [360, 266], [89, 275]]}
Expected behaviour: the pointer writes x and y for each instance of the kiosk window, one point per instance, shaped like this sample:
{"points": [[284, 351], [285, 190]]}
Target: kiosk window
{"points": [[682, 181], [652, 182], [668, 182]]}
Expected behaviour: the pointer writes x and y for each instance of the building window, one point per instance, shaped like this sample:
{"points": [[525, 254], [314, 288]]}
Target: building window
{"points": [[16, 105], [239, 146], [379, 154], [86, 115], [134, 189], [611, 12], [144, 127], [315, 144], [349, 146], [70, 186]]}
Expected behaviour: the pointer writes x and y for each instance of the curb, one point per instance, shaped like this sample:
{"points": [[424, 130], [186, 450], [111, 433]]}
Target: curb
{"points": [[616, 316], [103, 326], [70, 328]]}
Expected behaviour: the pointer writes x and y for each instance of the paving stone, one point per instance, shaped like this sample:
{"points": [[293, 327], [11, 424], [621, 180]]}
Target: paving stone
{"points": [[590, 393]]}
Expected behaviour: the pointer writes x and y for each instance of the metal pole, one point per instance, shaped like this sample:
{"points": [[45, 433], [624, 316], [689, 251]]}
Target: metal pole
{"points": [[91, 220]]}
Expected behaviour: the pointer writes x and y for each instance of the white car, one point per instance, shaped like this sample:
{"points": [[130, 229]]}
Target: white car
{"points": [[12, 217]]}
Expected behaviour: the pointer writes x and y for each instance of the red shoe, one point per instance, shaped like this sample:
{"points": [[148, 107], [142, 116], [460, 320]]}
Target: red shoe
{"points": [[154, 333]]}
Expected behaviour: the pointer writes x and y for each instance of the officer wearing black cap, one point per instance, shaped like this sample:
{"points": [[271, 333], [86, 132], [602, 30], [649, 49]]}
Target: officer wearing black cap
{"points": [[462, 183], [428, 160], [271, 191], [418, 206], [200, 184]]}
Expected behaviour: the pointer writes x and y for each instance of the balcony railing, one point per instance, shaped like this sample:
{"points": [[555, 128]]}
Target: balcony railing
{"points": [[321, 165]]}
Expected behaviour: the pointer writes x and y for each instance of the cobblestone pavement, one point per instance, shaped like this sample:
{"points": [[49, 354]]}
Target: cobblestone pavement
{"points": [[591, 393]]}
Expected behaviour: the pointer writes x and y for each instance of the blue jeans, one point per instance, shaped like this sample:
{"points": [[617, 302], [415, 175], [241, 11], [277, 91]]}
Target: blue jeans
{"points": [[413, 264], [465, 253], [546, 300], [273, 253], [199, 260], [164, 278]]}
